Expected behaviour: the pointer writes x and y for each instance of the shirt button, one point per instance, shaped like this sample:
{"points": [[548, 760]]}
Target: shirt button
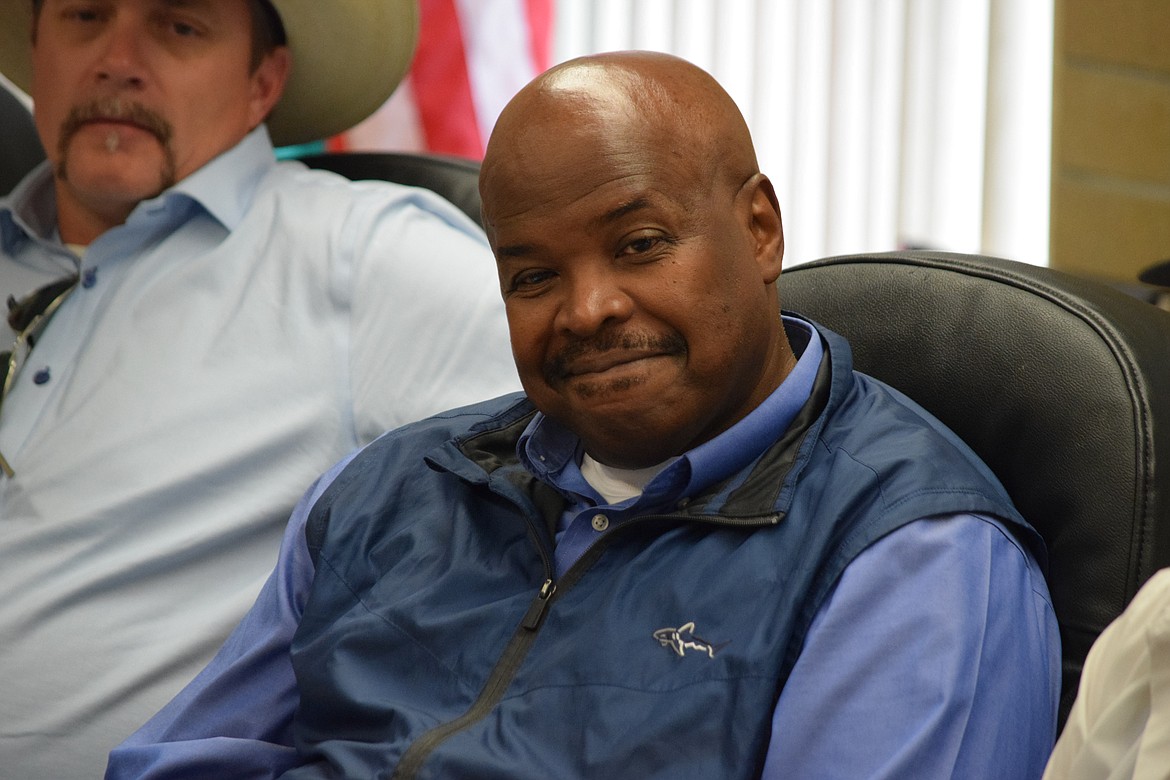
{"points": [[42, 377], [600, 522], [89, 278]]}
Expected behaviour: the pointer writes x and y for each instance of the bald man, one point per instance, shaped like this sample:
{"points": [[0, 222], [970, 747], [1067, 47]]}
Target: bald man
{"points": [[698, 546]]}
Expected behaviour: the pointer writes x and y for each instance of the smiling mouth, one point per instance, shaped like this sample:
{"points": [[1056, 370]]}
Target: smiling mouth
{"points": [[604, 363], [608, 374], [615, 354]]}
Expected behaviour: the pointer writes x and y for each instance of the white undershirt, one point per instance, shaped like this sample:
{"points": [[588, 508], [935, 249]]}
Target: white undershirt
{"points": [[616, 485]]}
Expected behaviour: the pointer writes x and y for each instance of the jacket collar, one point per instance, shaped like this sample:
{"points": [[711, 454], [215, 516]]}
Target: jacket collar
{"points": [[486, 454]]}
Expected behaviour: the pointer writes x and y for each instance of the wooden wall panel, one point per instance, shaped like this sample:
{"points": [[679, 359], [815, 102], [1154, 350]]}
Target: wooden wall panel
{"points": [[1116, 124], [1134, 33], [1101, 231], [1111, 137]]}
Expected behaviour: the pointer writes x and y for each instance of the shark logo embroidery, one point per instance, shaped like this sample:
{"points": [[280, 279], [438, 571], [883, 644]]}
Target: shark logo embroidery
{"points": [[683, 638]]}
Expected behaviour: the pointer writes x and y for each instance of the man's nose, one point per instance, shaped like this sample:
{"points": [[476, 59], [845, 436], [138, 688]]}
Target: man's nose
{"points": [[592, 302], [122, 61]]}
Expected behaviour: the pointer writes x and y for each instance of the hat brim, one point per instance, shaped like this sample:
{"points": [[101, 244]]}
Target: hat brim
{"points": [[348, 57]]}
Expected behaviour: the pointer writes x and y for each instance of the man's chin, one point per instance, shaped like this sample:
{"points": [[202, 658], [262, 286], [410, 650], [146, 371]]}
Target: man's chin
{"points": [[114, 180], [133, 161], [113, 188], [600, 389]]}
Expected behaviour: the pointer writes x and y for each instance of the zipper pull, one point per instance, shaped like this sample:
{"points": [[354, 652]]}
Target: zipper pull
{"points": [[536, 610]]}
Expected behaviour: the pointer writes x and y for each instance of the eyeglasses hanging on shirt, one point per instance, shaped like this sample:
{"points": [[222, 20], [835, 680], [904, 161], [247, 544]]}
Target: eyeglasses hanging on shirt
{"points": [[28, 317]]}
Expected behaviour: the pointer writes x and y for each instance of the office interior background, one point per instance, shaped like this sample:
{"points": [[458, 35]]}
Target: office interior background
{"points": [[882, 123], [1037, 130]]}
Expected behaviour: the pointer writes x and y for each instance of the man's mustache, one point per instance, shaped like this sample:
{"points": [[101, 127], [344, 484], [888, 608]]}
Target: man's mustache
{"points": [[117, 110], [558, 367]]}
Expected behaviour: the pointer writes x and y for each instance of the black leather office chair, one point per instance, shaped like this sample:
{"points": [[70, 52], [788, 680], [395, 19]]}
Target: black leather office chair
{"points": [[1061, 385], [20, 148], [455, 178]]}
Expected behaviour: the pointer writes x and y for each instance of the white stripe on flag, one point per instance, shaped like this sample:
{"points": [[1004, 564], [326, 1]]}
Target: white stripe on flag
{"points": [[497, 40]]}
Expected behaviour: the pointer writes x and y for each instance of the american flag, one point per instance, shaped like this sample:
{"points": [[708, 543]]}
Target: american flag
{"points": [[472, 57]]}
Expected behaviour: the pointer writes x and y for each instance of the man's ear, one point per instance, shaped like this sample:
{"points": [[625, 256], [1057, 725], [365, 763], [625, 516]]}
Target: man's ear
{"points": [[268, 82], [767, 227]]}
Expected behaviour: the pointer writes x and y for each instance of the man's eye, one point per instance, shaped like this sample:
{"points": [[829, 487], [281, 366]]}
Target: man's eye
{"points": [[640, 245], [82, 15], [643, 245], [172, 24], [184, 29], [529, 279]]}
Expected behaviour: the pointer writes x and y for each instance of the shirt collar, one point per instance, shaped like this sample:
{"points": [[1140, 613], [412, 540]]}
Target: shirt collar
{"points": [[552, 453], [226, 185], [30, 209], [224, 188]]}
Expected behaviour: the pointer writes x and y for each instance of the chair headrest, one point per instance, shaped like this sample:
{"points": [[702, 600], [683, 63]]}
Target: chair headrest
{"points": [[1060, 384]]}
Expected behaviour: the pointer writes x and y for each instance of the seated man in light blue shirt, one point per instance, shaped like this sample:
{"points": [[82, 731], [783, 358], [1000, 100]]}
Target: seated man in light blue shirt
{"points": [[223, 328], [699, 546]]}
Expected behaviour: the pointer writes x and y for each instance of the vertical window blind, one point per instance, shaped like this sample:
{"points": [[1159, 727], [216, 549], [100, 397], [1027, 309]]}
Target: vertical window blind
{"points": [[882, 123]]}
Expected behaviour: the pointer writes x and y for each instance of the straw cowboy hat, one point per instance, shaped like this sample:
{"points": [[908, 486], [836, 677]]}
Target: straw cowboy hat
{"points": [[348, 56]]}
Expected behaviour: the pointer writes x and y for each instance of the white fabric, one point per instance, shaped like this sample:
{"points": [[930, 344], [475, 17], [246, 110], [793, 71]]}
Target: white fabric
{"points": [[1119, 726], [243, 333], [616, 485]]}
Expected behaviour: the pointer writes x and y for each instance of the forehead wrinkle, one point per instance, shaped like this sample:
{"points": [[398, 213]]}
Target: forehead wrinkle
{"points": [[639, 203]]}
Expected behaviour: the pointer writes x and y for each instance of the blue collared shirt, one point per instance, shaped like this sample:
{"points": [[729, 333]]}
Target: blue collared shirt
{"points": [[954, 671]]}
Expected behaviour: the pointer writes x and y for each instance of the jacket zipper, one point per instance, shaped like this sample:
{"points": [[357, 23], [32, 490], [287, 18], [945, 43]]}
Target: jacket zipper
{"points": [[498, 681], [521, 642]]}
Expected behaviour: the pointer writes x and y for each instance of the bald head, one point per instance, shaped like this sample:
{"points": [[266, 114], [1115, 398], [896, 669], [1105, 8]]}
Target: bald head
{"points": [[619, 105], [638, 248]]}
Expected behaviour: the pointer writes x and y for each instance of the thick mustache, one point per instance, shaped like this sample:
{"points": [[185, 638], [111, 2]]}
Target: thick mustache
{"points": [[117, 110], [557, 368]]}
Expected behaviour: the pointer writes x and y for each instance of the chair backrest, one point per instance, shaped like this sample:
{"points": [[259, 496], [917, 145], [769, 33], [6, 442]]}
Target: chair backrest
{"points": [[20, 147], [455, 178], [1061, 385]]}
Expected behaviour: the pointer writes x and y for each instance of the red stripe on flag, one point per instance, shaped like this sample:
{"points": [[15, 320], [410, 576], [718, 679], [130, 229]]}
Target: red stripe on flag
{"points": [[441, 84], [540, 33]]}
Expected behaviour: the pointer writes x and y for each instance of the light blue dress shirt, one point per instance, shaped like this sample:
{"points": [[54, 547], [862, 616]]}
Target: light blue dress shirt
{"points": [[232, 340], [937, 655]]}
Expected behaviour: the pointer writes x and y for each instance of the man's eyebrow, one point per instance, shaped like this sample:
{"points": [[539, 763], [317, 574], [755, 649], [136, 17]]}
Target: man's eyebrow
{"points": [[636, 204], [513, 251], [613, 215]]}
